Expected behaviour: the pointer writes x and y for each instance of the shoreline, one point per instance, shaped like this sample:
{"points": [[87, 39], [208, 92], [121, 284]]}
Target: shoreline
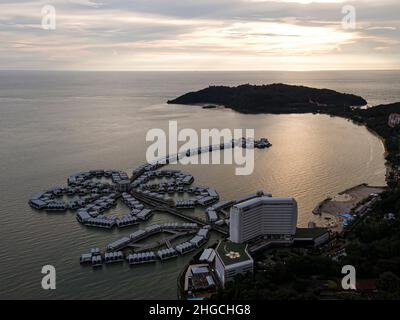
{"points": [[350, 200], [318, 210], [389, 166], [372, 131], [359, 123]]}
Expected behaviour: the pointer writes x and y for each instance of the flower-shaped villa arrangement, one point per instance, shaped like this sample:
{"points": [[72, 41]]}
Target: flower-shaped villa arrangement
{"points": [[92, 194], [233, 255]]}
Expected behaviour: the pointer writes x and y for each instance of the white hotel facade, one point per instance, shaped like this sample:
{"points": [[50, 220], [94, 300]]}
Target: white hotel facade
{"points": [[263, 217]]}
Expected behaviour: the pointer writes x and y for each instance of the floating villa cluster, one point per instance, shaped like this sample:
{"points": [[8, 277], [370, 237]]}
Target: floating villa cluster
{"points": [[180, 178], [81, 185], [91, 197], [202, 195], [115, 250], [141, 257]]}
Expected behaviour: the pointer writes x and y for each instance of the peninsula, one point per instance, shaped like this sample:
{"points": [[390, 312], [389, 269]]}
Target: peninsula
{"points": [[273, 98]]}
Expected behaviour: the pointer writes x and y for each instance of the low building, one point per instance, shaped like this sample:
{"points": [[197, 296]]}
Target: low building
{"points": [[311, 236], [212, 215], [119, 244], [389, 217], [394, 120], [199, 281], [232, 259], [123, 185], [208, 255]]}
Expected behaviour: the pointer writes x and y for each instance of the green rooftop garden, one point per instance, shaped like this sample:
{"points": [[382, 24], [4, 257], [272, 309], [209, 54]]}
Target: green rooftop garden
{"points": [[232, 253]]}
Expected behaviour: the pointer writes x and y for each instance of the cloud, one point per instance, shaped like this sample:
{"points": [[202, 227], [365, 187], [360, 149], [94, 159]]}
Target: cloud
{"points": [[382, 28], [199, 34]]}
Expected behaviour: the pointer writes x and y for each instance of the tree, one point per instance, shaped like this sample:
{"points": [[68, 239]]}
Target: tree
{"points": [[389, 283]]}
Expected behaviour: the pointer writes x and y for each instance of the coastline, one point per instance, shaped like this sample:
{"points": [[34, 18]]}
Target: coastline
{"points": [[372, 131], [386, 153], [352, 200], [343, 116], [389, 165]]}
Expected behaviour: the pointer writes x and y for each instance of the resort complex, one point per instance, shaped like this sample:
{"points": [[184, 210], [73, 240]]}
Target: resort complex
{"points": [[257, 222], [247, 228]]}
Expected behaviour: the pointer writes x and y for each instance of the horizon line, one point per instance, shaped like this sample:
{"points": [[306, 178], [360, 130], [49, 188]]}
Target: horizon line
{"points": [[193, 70]]}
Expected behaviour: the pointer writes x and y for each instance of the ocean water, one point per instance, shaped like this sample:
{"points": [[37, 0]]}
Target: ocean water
{"points": [[54, 124]]}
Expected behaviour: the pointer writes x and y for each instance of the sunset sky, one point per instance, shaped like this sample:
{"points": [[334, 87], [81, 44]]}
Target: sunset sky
{"points": [[200, 35]]}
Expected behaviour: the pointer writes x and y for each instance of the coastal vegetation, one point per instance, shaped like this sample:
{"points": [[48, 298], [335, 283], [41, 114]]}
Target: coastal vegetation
{"points": [[298, 278]]}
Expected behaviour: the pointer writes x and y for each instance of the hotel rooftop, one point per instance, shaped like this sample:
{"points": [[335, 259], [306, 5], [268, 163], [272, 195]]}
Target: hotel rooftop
{"points": [[232, 253]]}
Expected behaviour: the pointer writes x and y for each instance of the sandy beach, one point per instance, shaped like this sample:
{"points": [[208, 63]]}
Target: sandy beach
{"points": [[344, 202]]}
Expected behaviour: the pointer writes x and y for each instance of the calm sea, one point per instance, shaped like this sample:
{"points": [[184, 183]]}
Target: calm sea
{"points": [[53, 124]]}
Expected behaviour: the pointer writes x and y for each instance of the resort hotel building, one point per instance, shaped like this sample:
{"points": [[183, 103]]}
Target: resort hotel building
{"points": [[231, 259], [263, 217], [257, 222]]}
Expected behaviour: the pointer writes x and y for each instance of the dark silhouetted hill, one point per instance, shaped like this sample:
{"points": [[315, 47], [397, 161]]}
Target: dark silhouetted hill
{"points": [[274, 98]]}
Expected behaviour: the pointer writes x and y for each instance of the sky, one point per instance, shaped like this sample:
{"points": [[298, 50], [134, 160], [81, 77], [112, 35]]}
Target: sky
{"points": [[200, 35]]}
